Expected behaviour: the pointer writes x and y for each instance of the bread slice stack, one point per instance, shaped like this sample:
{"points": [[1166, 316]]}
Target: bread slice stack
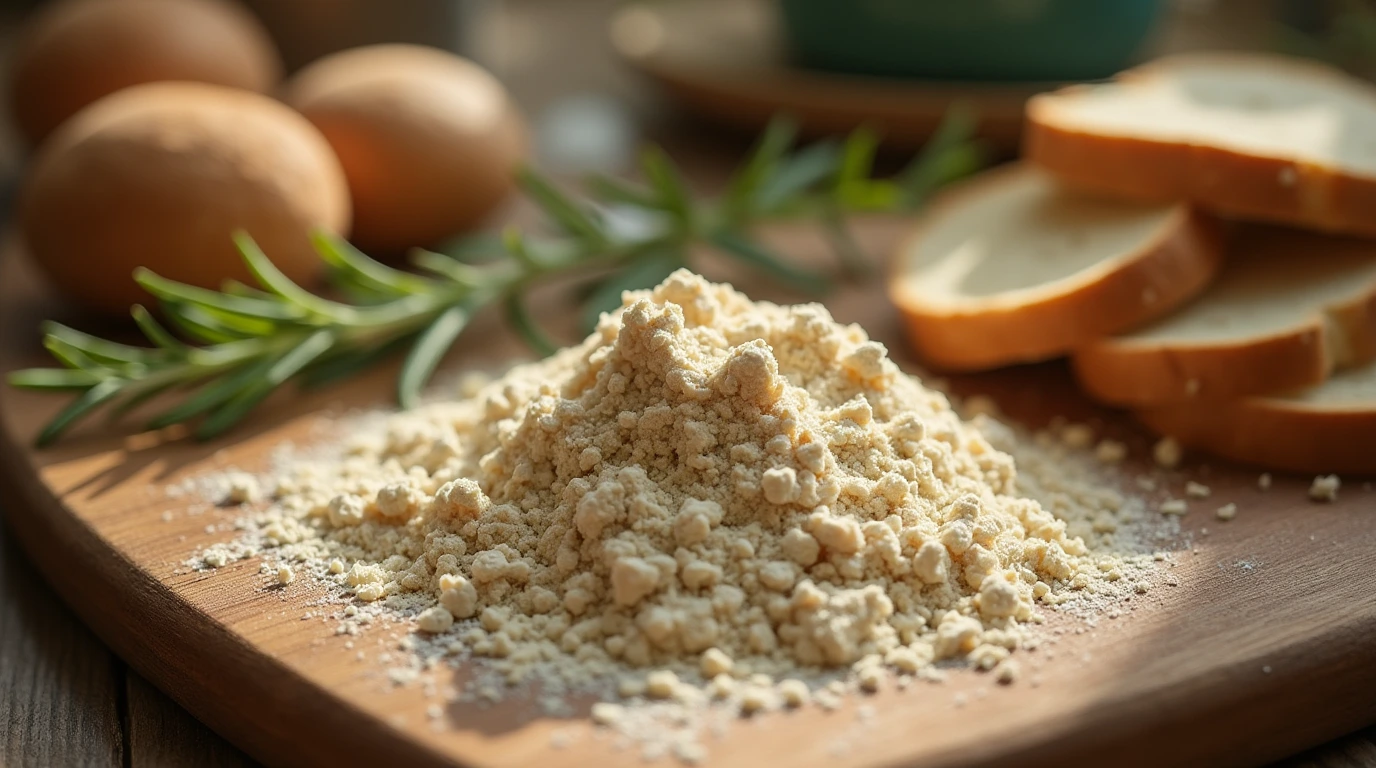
{"points": [[1198, 236]]}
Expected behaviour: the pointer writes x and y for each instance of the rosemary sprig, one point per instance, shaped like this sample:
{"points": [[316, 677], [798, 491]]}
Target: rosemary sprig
{"points": [[245, 342]]}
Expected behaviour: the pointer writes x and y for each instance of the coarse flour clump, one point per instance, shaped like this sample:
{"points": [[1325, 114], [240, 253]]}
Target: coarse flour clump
{"points": [[704, 483]]}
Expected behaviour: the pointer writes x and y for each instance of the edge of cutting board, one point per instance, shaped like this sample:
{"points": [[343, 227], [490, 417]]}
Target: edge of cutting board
{"points": [[1162, 687]]}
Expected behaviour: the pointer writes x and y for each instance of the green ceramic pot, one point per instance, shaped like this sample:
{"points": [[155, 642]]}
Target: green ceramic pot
{"points": [[969, 39]]}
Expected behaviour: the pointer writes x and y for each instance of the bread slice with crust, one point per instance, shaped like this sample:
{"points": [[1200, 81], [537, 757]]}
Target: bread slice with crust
{"points": [[1289, 308], [1251, 135], [1323, 429], [1012, 267]]}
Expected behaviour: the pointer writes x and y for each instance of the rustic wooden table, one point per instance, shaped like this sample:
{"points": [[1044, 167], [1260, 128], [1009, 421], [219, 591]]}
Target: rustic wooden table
{"points": [[65, 699]]}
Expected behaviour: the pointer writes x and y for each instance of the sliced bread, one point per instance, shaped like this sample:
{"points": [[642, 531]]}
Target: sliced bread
{"points": [[1328, 428], [1012, 267], [1289, 308], [1249, 135]]}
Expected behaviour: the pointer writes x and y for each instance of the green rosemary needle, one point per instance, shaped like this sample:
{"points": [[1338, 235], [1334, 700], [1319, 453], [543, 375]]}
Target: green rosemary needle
{"points": [[244, 342]]}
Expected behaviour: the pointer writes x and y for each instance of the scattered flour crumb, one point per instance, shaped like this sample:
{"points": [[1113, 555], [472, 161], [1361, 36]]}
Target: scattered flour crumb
{"points": [[710, 505], [1264, 481], [1007, 671], [794, 693], [1110, 451], [1325, 488], [242, 488], [1167, 453], [1077, 435], [1226, 512], [1196, 490], [1174, 507]]}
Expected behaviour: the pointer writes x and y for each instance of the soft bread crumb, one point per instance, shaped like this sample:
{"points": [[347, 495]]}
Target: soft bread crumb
{"points": [[1264, 481], [1197, 490], [1226, 512]]}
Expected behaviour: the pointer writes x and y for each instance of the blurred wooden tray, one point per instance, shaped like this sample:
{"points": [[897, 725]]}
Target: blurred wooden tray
{"points": [[726, 60]]}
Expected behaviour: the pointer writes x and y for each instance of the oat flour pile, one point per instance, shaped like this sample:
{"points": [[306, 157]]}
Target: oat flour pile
{"points": [[739, 493]]}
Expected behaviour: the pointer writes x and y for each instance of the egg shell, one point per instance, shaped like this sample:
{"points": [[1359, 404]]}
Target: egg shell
{"points": [[161, 175], [429, 141], [73, 52]]}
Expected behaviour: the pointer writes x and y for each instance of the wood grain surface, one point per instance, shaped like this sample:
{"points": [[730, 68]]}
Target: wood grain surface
{"points": [[1264, 647], [59, 687]]}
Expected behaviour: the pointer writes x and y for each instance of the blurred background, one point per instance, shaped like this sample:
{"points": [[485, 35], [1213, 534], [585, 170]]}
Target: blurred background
{"points": [[593, 76]]}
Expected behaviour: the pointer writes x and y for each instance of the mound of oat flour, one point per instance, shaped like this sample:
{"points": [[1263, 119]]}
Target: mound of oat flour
{"points": [[706, 484]]}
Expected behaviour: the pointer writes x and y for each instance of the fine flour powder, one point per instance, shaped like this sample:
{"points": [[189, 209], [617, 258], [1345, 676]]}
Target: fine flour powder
{"points": [[710, 502]]}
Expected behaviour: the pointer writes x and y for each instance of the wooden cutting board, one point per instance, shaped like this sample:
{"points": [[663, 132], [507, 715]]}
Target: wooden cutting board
{"points": [[1267, 645]]}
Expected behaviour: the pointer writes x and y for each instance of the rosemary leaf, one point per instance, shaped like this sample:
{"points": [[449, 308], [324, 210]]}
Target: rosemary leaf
{"points": [[236, 288], [857, 158], [945, 157], [570, 217], [774, 143], [154, 331], [426, 353], [97, 349], [78, 409], [59, 379], [225, 304], [515, 244], [526, 327], [364, 272], [199, 325], [274, 281], [797, 174], [234, 409], [755, 255], [447, 267], [670, 191], [644, 273], [70, 356], [943, 169], [615, 191], [211, 395]]}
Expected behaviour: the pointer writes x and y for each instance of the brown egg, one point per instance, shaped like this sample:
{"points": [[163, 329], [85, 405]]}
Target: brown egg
{"points": [[75, 51], [161, 175], [428, 140]]}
